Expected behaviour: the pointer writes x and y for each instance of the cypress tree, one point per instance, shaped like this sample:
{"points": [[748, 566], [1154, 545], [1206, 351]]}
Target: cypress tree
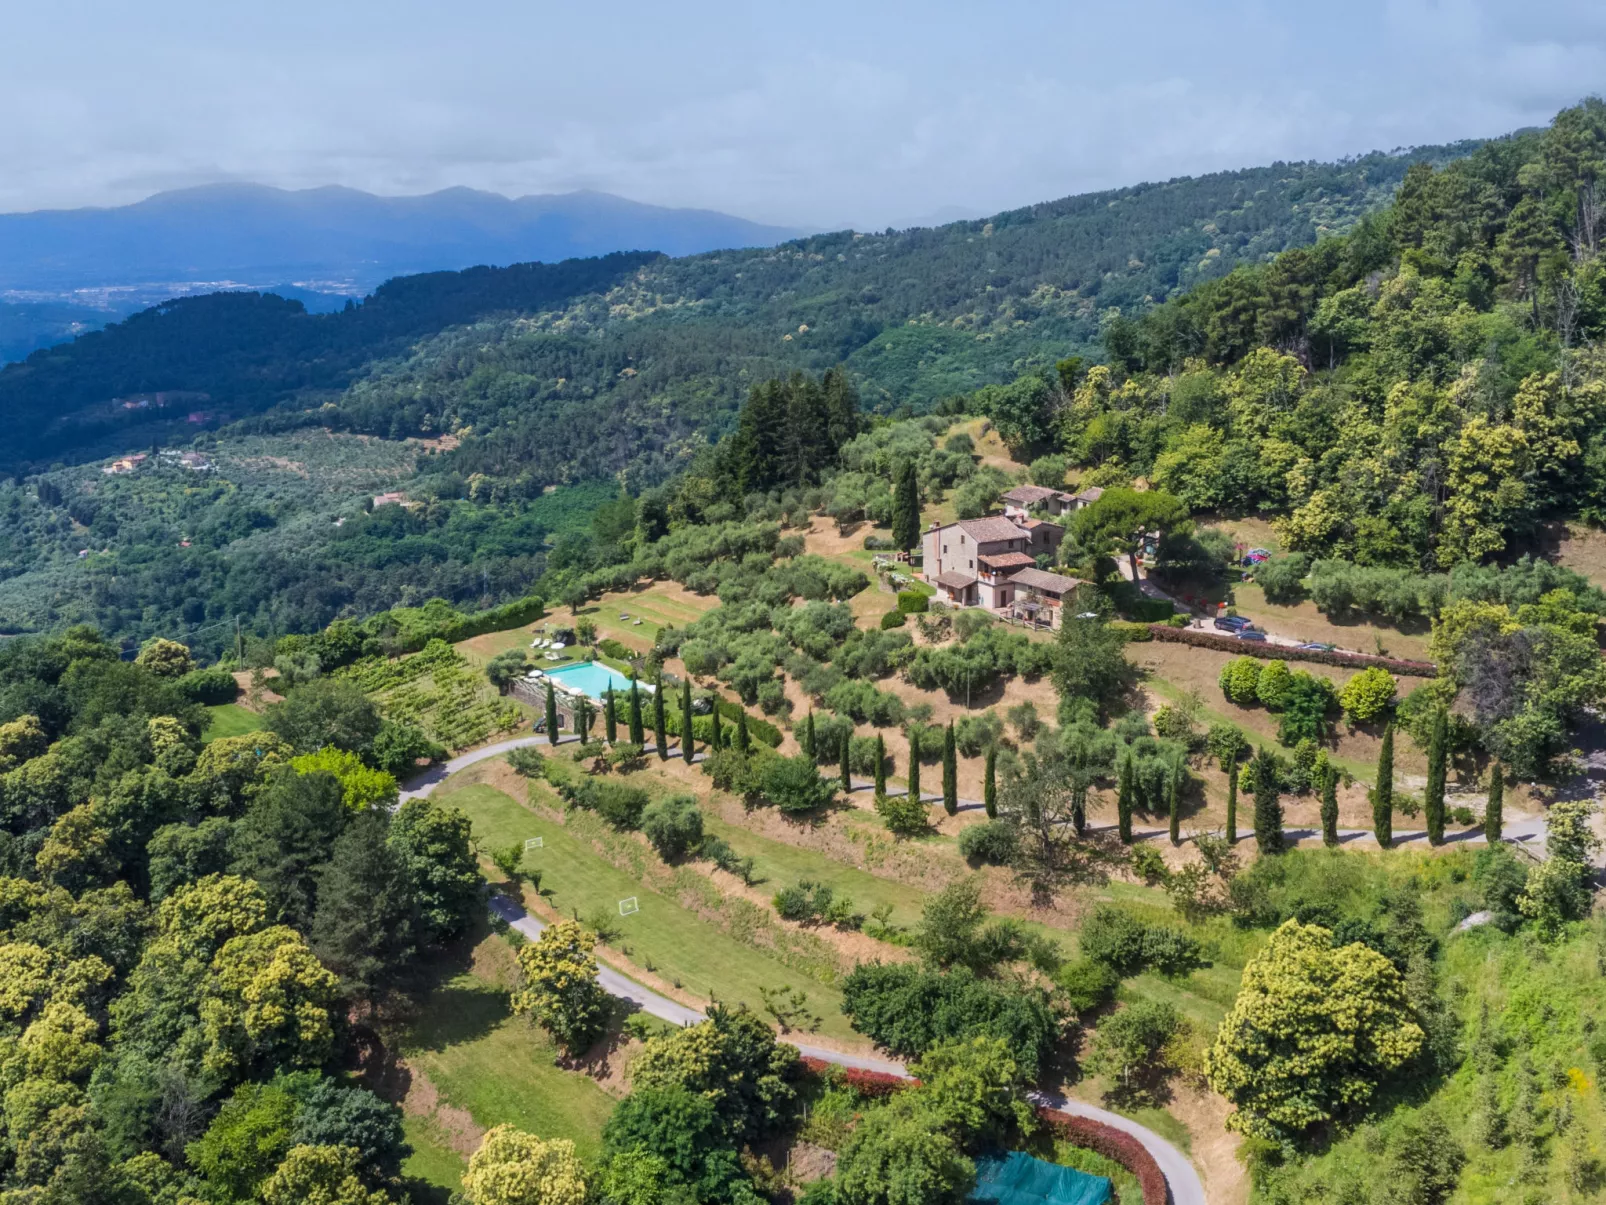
{"points": [[1173, 793], [880, 766], [638, 735], [718, 741], [1497, 799], [1079, 785], [1268, 811], [660, 722], [610, 720], [810, 746], [1433, 793], [741, 732], [687, 744], [551, 715], [584, 713], [950, 772], [847, 769], [905, 507], [1383, 792], [914, 765], [1329, 786], [1123, 799], [1232, 800], [989, 783]]}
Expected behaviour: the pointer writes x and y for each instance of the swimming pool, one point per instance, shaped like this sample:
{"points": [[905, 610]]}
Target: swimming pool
{"points": [[593, 679]]}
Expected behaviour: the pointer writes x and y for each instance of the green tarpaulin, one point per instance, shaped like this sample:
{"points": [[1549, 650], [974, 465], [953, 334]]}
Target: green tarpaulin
{"points": [[1018, 1179]]}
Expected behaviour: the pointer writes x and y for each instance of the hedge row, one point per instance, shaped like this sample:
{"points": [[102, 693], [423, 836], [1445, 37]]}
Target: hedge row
{"points": [[509, 615], [1113, 1144], [865, 1083], [1282, 652], [1084, 1132]]}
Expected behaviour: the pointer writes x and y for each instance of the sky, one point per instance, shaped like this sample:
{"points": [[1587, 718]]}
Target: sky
{"points": [[820, 115]]}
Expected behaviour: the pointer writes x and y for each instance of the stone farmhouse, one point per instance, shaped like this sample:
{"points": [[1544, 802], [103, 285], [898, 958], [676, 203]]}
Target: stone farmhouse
{"points": [[992, 563]]}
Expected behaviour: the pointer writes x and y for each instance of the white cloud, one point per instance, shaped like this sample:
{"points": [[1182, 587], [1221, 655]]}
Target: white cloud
{"points": [[831, 114]]}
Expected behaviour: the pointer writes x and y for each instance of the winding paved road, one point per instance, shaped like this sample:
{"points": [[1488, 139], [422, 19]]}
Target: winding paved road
{"points": [[1181, 1178], [1183, 1181]]}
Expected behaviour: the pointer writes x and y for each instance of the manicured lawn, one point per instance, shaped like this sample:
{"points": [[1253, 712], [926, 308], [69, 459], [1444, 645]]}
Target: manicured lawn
{"points": [[499, 1067], [229, 719], [662, 936], [432, 1161], [781, 865]]}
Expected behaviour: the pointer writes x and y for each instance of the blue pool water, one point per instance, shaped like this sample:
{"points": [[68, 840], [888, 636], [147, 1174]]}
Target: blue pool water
{"points": [[593, 678]]}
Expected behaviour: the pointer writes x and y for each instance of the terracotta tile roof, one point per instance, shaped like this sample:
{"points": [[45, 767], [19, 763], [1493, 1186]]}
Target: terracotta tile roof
{"points": [[990, 530], [1008, 560], [954, 580], [1091, 494], [1030, 495], [1051, 583]]}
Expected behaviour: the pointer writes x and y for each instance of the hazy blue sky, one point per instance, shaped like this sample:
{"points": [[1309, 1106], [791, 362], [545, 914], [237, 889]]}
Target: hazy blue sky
{"points": [[821, 114]]}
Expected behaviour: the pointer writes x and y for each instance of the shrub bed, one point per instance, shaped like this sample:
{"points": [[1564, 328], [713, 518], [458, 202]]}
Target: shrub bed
{"points": [[1113, 1144], [1093, 1135], [865, 1083], [1273, 652]]}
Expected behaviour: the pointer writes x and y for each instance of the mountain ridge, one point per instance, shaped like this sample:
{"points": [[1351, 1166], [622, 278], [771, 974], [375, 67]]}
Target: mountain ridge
{"points": [[346, 236]]}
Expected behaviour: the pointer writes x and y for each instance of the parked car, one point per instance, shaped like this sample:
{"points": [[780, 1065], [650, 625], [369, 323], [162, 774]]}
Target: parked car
{"points": [[1248, 634], [1232, 623], [1318, 646]]}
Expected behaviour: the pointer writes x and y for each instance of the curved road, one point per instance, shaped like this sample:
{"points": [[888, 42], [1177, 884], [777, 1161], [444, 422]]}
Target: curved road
{"points": [[1181, 1178], [1183, 1181]]}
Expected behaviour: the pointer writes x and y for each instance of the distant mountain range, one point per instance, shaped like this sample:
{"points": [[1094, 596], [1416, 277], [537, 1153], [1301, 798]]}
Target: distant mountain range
{"points": [[67, 270]]}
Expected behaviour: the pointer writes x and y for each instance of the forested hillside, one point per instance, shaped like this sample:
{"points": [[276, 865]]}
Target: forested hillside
{"points": [[918, 314], [1423, 391]]}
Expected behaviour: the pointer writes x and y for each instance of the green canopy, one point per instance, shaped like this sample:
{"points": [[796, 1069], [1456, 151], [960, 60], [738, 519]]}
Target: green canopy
{"points": [[1019, 1179]]}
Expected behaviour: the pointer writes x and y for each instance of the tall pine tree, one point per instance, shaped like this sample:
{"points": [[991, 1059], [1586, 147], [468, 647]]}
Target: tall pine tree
{"points": [[1493, 809], [365, 926], [810, 743], [1268, 810], [717, 732], [914, 764], [847, 767], [742, 743], [1433, 793], [950, 772], [1383, 791], [610, 719], [880, 766], [551, 715]]}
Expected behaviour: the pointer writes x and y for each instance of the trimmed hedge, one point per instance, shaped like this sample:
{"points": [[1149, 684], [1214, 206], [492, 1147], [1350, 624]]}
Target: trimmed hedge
{"points": [[609, 647], [1282, 652], [498, 619], [209, 686], [1132, 633], [913, 602], [1113, 1144], [865, 1083]]}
